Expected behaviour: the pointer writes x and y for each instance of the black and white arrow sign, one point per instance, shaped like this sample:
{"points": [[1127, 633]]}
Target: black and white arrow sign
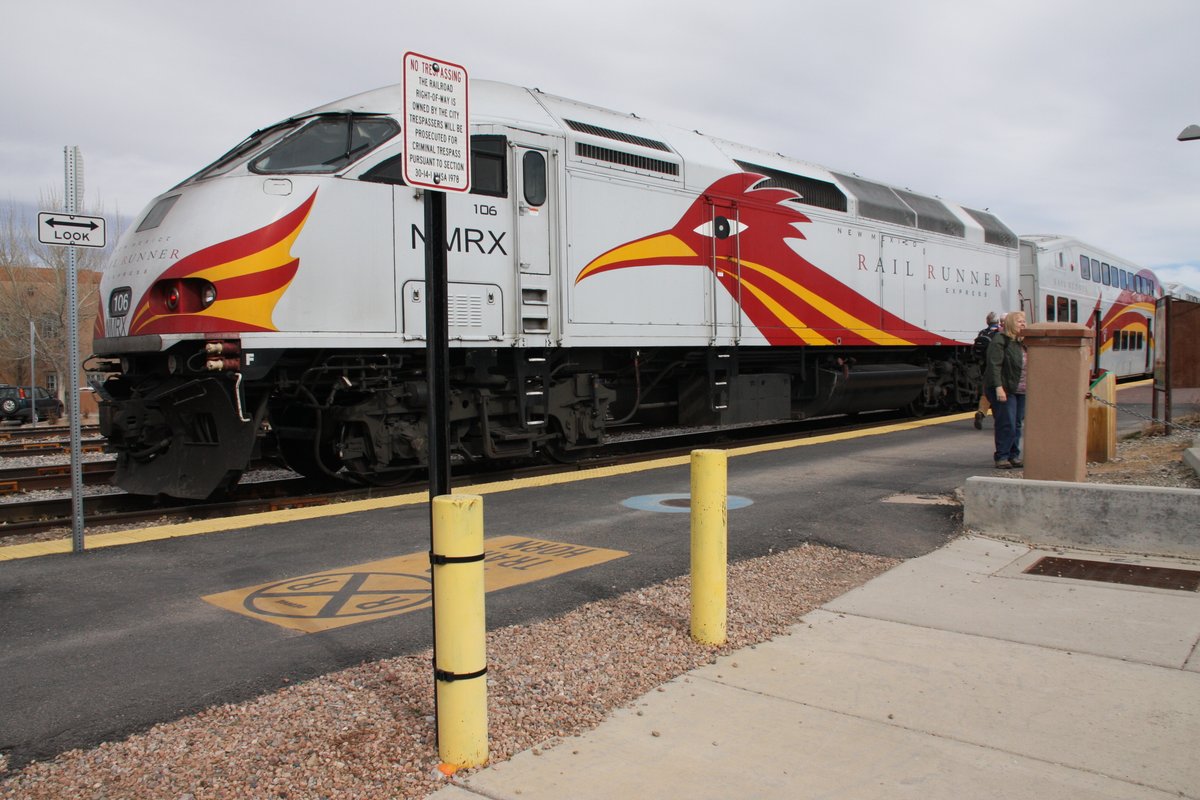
{"points": [[70, 230]]}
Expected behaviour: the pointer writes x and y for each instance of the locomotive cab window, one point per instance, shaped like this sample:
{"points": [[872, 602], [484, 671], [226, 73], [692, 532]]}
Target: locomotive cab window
{"points": [[488, 172], [487, 168], [388, 171], [533, 177], [326, 144]]}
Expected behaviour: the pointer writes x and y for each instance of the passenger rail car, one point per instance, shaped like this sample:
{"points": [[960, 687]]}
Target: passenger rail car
{"points": [[1066, 280], [605, 271], [1181, 291]]}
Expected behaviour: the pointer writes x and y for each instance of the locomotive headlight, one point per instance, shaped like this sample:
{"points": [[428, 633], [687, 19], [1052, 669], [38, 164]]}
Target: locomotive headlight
{"points": [[185, 295]]}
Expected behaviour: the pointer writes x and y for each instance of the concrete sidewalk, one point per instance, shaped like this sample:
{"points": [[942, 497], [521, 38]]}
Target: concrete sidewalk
{"points": [[954, 675]]}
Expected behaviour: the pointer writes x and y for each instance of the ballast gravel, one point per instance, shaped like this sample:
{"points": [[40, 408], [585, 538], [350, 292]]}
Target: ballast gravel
{"points": [[368, 731]]}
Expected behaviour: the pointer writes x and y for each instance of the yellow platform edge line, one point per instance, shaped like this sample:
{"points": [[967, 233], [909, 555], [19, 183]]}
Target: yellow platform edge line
{"points": [[197, 527]]}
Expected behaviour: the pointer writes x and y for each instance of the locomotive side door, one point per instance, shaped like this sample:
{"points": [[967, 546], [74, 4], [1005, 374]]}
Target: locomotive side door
{"points": [[535, 208], [724, 284]]}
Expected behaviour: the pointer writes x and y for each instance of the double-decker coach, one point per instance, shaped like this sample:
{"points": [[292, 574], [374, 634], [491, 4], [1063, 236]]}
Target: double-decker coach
{"points": [[1066, 280]]}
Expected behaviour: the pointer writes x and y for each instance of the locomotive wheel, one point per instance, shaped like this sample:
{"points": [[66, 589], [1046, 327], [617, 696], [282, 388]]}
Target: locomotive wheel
{"points": [[555, 451], [917, 409], [385, 480], [300, 452]]}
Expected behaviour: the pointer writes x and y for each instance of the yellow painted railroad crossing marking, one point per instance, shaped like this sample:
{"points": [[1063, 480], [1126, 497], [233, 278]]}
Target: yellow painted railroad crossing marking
{"points": [[346, 595]]}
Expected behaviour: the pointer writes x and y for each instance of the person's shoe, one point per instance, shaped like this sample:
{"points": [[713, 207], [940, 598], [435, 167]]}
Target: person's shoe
{"points": [[1003, 465], [1016, 463], [979, 415]]}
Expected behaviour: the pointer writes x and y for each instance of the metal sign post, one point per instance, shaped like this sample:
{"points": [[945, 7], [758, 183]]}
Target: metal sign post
{"points": [[33, 417], [71, 230], [437, 157], [437, 343]]}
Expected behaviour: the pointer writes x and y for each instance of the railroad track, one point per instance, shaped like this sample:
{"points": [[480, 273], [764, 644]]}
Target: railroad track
{"points": [[37, 447], [43, 431], [54, 476], [39, 516]]}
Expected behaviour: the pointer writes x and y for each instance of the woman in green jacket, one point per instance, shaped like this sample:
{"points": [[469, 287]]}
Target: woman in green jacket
{"points": [[1004, 385]]}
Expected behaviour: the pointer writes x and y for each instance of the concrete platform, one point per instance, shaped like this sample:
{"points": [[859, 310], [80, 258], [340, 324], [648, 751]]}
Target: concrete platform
{"points": [[953, 675]]}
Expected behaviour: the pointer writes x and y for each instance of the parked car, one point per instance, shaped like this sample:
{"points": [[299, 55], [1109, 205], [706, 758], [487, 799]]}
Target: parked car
{"points": [[15, 404]]}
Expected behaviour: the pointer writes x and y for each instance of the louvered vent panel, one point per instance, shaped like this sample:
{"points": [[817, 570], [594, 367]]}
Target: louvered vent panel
{"points": [[626, 159], [465, 311], [618, 136], [812, 191]]}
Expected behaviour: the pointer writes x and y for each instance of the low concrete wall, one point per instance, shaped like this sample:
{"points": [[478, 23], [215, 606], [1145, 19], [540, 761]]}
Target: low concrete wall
{"points": [[1191, 456], [1142, 519]]}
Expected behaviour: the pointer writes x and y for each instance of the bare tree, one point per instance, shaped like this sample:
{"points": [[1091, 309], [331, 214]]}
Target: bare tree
{"points": [[33, 289]]}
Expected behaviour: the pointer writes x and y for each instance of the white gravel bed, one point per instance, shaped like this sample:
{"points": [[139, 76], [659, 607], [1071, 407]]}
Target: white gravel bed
{"points": [[368, 731]]}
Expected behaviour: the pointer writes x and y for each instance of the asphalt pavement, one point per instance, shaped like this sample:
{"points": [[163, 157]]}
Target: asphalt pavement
{"points": [[152, 625]]}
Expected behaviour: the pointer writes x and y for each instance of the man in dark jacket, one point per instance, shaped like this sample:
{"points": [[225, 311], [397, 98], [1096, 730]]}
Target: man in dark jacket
{"points": [[982, 340], [1004, 385]]}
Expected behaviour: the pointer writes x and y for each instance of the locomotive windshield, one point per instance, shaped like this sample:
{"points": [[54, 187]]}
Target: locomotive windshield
{"points": [[254, 143], [326, 144]]}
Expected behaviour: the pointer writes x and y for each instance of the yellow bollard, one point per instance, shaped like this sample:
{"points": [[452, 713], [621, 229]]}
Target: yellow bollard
{"points": [[459, 630], [709, 534]]}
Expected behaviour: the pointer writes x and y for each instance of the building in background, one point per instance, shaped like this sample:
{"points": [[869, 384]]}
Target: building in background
{"points": [[38, 295]]}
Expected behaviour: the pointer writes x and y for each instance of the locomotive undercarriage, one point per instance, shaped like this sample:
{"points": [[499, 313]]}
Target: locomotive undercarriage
{"points": [[360, 416]]}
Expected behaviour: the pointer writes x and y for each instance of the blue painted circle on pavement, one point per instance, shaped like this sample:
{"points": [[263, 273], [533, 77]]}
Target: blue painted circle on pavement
{"points": [[676, 503]]}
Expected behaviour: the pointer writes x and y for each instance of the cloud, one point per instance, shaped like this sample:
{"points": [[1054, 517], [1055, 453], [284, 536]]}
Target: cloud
{"points": [[1059, 117]]}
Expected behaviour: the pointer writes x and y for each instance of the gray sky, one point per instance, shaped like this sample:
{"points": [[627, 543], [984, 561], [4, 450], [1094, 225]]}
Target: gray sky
{"points": [[1060, 116]]}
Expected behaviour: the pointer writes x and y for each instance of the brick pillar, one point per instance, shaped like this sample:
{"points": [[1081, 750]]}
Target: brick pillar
{"points": [[1057, 373]]}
